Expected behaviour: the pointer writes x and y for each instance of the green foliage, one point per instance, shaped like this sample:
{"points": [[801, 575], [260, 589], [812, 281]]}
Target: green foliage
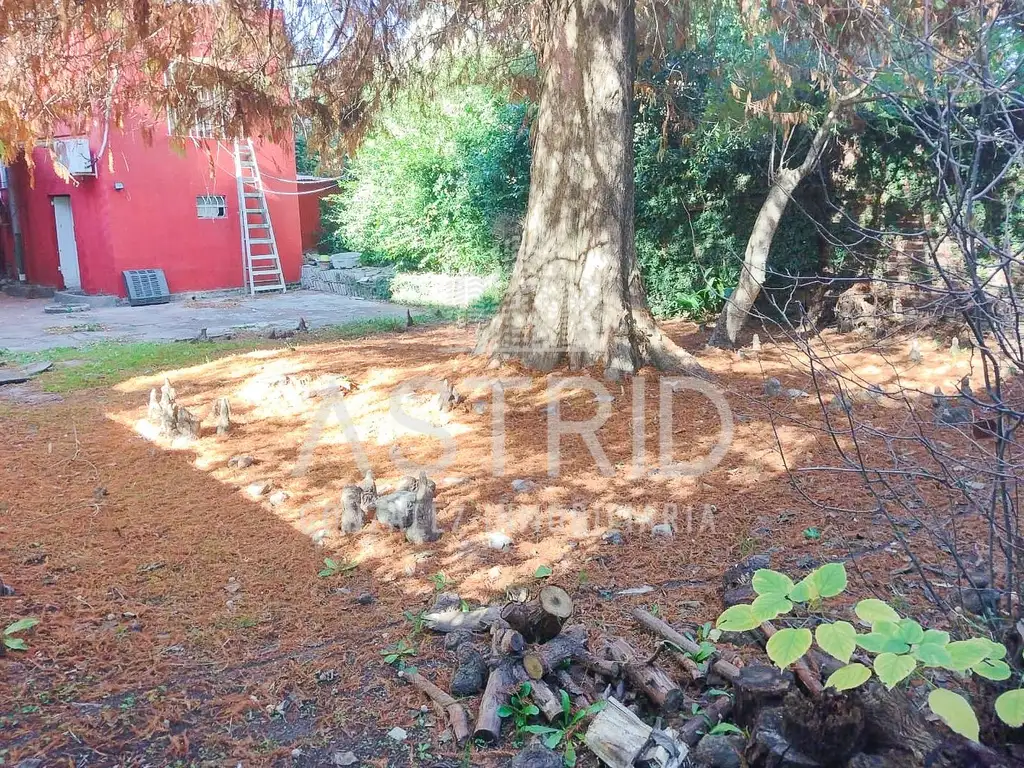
{"points": [[565, 733], [397, 653], [899, 644], [440, 581], [333, 567], [437, 185], [542, 572], [519, 707], [21, 625]]}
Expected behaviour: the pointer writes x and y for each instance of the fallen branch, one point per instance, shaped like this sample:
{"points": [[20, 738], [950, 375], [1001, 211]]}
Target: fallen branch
{"points": [[696, 727], [456, 713], [649, 678], [653, 624], [454, 620], [549, 702]]}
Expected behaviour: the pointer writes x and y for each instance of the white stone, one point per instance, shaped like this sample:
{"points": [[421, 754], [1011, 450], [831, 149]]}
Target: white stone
{"points": [[258, 490], [662, 529], [523, 486], [397, 734], [498, 540]]}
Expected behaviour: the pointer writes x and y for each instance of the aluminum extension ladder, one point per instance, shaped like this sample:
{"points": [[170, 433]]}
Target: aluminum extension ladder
{"points": [[261, 262]]}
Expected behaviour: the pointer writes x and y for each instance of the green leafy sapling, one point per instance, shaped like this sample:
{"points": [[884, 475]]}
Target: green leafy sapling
{"points": [[519, 707], [565, 732], [900, 646], [17, 643]]}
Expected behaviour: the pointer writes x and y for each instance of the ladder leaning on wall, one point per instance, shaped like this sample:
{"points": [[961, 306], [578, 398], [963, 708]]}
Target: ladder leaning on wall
{"points": [[261, 262]]}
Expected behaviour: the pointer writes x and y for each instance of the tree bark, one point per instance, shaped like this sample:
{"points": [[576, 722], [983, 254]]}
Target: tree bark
{"points": [[755, 258], [575, 294]]}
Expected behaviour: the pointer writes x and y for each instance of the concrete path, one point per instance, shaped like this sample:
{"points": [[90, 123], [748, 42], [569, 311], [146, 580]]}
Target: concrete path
{"points": [[24, 327]]}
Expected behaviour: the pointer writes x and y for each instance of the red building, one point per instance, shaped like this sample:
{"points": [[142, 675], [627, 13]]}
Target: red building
{"points": [[143, 204]]}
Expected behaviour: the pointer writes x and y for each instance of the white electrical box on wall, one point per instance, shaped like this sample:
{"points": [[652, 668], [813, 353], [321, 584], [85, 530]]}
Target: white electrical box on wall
{"points": [[74, 155]]}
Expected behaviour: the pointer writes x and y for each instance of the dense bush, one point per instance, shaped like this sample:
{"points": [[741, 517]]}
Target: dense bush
{"points": [[436, 186]]}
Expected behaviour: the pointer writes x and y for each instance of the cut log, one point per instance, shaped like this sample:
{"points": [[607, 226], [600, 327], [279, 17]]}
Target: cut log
{"points": [[503, 680], [454, 620], [505, 641], [695, 728], [542, 659], [540, 620], [581, 692], [549, 702], [759, 687], [617, 736], [810, 679], [456, 714], [664, 630], [649, 678]]}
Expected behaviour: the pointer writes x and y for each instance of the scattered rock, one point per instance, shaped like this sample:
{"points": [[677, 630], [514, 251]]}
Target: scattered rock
{"points": [[772, 387], [258, 490], [796, 394], [344, 758], [980, 601], [471, 674], [520, 485], [537, 756], [769, 747], [738, 595], [742, 572], [277, 498], [241, 461], [841, 403], [446, 601], [319, 536], [662, 530], [806, 562], [397, 734], [296, 753], [719, 752], [613, 537], [365, 599], [498, 540], [452, 640]]}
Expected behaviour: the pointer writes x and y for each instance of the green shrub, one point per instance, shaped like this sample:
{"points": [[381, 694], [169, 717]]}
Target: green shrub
{"points": [[435, 184]]}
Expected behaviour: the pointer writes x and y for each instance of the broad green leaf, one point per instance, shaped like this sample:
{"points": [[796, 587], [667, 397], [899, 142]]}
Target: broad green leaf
{"points": [[910, 631], [330, 562], [850, 676], [15, 643], [967, 653], [540, 730], [993, 669], [788, 645], [725, 728], [935, 637], [872, 611], [932, 655], [891, 668], [552, 740], [769, 582], [1010, 708], [767, 607], [838, 640], [805, 591], [21, 625], [830, 579], [542, 572], [879, 643], [570, 755], [525, 689], [955, 711], [739, 618], [887, 628], [504, 711], [995, 650], [531, 709]]}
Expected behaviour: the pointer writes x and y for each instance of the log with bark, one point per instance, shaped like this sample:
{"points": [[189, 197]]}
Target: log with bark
{"points": [[549, 702], [541, 619], [695, 728], [649, 678], [617, 736], [456, 714], [455, 620], [539, 660]]}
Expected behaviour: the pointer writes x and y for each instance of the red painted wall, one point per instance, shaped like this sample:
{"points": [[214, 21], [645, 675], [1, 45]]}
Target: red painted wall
{"points": [[152, 221], [309, 210]]}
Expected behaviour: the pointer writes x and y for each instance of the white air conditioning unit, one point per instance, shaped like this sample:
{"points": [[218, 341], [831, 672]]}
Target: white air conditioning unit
{"points": [[74, 155]]}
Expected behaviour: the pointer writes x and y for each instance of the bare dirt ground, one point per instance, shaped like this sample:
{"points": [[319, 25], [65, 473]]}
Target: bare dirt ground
{"points": [[183, 622]]}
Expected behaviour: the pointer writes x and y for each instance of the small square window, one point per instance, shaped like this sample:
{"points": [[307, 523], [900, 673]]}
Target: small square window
{"points": [[211, 207]]}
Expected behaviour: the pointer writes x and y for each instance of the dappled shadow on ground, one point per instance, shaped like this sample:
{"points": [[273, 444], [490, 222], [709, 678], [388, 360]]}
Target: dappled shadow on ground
{"points": [[177, 608]]}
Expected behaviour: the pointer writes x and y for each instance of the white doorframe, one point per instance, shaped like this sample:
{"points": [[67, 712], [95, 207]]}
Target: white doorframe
{"points": [[67, 245]]}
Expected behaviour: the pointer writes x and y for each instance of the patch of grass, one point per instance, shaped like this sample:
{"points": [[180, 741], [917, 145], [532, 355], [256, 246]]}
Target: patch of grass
{"points": [[109, 362]]}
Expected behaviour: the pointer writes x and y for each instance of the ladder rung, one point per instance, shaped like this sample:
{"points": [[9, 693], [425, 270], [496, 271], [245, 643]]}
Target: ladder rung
{"points": [[266, 272], [261, 241], [252, 194], [268, 287]]}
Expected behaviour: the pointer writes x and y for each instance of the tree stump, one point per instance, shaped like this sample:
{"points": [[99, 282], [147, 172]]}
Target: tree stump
{"points": [[395, 510], [829, 728], [353, 509], [186, 424], [757, 687], [222, 415], [540, 620], [647, 677], [423, 528], [154, 413]]}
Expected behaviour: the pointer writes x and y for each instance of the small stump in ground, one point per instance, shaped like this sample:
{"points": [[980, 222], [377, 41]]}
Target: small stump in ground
{"points": [[828, 728]]}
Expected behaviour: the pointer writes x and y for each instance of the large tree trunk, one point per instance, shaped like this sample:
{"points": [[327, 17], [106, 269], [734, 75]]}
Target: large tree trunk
{"points": [[575, 294], [755, 259]]}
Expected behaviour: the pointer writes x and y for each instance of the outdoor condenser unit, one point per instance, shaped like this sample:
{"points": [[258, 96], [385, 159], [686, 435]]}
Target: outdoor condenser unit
{"points": [[146, 286]]}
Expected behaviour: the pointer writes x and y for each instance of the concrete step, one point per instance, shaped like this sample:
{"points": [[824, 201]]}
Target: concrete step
{"points": [[96, 301]]}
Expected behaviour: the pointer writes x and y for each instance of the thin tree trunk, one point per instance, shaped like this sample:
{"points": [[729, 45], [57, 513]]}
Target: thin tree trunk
{"points": [[755, 259], [575, 294]]}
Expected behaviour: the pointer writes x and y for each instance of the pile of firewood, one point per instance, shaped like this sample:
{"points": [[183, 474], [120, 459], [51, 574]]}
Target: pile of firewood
{"points": [[660, 707]]}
